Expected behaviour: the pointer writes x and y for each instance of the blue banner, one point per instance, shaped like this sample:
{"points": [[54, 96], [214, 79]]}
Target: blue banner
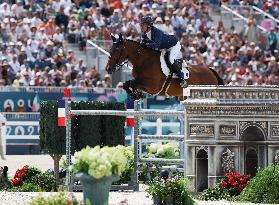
{"points": [[27, 100]]}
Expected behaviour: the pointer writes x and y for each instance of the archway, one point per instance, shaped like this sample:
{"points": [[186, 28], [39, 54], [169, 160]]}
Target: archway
{"points": [[202, 170], [251, 162], [254, 149]]}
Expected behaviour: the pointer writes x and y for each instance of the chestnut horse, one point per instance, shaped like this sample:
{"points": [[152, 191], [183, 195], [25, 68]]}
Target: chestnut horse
{"points": [[147, 72]]}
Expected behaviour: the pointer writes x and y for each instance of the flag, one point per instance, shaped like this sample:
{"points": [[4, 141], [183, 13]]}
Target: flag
{"points": [[67, 92], [61, 113], [130, 121], [36, 103]]}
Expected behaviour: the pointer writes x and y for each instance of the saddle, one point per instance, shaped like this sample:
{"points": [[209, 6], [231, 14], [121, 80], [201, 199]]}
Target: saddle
{"points": [[166, 65]]}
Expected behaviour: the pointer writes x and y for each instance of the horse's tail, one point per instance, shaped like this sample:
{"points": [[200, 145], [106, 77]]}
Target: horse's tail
{"points": [[220, 80]]}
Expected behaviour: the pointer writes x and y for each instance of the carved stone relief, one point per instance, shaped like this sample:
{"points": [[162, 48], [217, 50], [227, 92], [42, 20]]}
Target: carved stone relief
{"points": [[201, 130], [260, 124], [202, 147], [274, 129], [208, 110], [228, 161], [227, 130]]}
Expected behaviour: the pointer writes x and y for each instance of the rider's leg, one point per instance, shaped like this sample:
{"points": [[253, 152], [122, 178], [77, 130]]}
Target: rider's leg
{"points": [[176, 61]]}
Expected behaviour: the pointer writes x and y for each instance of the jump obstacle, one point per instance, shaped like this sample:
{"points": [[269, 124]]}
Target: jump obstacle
{"points": [[138, 114]]}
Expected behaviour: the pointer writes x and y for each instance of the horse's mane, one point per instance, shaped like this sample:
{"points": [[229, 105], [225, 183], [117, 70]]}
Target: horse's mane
{"points": [[138, 43], [133, 41]]}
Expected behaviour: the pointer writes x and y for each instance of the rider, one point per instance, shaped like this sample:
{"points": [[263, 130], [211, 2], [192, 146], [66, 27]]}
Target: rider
{"points": [[156, 39]]}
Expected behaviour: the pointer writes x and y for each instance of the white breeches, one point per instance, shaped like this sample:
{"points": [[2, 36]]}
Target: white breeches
{"points": [[175, 52]]}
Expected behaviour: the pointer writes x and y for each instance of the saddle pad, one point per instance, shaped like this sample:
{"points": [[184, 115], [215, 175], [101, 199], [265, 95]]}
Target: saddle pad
{"points": [[166, 70]]}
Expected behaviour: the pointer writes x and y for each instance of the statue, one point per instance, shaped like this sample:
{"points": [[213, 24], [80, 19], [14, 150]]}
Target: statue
{"points": [[228, 161]]}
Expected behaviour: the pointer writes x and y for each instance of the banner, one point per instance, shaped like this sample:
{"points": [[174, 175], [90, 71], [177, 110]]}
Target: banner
{"points": [[29, 101]]}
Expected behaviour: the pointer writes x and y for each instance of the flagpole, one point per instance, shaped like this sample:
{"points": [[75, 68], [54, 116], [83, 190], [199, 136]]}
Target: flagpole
{"points": [[68, 139]]}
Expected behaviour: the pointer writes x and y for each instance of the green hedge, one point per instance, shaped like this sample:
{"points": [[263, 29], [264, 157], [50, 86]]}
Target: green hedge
{"points": [[86, 130], [98, 130], [263, 188]]}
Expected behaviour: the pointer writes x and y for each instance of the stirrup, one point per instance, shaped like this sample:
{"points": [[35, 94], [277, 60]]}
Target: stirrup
{"points": [[183, 83]]}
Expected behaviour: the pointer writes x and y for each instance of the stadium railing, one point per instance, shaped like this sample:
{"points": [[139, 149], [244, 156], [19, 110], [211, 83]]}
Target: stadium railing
{"points": [[230, 15]]}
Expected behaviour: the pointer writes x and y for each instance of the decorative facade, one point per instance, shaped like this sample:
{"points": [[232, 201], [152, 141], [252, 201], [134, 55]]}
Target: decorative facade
{"points": [[229, 129]]}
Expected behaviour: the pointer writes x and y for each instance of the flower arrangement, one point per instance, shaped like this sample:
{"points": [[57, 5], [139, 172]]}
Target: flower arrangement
{"points": [[230, 186], [173, 189], [31, 179], [100, 162], [20, 176], [234, 182]]}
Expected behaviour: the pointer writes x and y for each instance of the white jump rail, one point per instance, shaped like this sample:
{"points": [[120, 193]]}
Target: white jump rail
{"points": [[143, 113]]}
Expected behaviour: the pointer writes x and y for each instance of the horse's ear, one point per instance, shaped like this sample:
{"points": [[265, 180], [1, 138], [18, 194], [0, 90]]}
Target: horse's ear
{"points": [[120, 37], [113, 38]]}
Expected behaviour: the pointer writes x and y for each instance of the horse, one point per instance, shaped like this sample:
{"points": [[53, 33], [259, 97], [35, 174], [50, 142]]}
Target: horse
{"points": [[147, 73]]}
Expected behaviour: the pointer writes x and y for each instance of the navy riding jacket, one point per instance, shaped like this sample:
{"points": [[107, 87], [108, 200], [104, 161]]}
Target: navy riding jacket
{"points": [[159, 40]]}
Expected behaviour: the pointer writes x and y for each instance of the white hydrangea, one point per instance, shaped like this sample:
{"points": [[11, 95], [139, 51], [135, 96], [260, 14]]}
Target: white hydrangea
{"points": [[100, 162]]}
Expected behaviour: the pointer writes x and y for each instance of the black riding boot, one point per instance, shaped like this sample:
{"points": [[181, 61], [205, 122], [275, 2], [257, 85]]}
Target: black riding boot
{"points": [[176, 68]]}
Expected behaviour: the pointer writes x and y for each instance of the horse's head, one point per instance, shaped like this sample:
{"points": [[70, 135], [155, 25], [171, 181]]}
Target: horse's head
{"points": [[117, 54]]}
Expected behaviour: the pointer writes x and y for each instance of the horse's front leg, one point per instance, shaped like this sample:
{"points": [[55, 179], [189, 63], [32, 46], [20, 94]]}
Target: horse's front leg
{"points": [[127, 87], [131, 88]]}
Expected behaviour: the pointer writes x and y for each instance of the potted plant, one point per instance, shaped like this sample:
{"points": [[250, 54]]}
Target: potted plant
{"points": [[169, 191], [97, 168], [155, 189], [176, 191]]}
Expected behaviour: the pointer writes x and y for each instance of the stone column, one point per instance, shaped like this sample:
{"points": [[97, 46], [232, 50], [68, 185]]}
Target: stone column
{"points": [[212, 159], [240, 159], [190, 166], [270, 155]]}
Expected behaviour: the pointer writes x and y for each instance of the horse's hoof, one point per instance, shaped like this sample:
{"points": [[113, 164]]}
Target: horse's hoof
{"points": [[133, 96]]}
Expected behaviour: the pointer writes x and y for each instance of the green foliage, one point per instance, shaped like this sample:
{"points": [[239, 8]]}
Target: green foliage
{"points": [[181, 193], [30, 187], [156, 188], [129, 168], [98, 130], [214, 194], [58, 199], [263, 188], [45, 181], [52, 137], [32, 171], [112, 130], [13, 189], [32, 180]]}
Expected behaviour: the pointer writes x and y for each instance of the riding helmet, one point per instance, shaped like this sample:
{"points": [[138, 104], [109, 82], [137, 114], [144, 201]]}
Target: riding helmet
{"points": [[147, 19]]}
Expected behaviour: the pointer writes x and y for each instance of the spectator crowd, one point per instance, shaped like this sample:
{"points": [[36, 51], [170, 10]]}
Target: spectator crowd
{"points": [[34, 36]]}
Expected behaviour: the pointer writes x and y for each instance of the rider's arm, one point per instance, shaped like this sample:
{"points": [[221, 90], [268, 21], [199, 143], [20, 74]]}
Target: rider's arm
{"points": [[156, 43]]}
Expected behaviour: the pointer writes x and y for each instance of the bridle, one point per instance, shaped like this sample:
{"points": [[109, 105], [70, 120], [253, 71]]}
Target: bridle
{"points": [[119, 65]]}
